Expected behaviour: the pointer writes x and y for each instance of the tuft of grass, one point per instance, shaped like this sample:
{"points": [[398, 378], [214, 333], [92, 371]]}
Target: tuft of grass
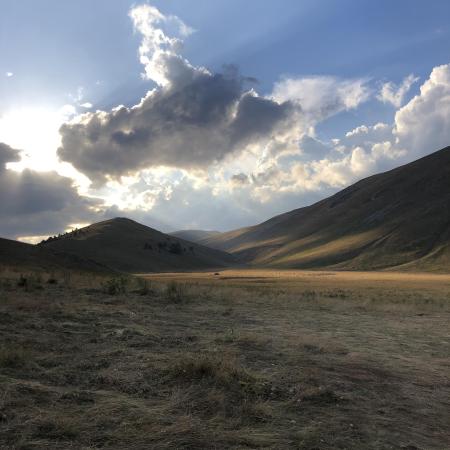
{"points": [[144, 287], [175, 292], [6, 284], [320, 397], [223, 371], [211, 386], [13, 357], [57, 429], [309, 294]]}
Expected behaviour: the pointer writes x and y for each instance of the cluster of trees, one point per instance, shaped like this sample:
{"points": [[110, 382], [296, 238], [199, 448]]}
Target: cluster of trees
{"points": [[172, 247], [75, 232]]}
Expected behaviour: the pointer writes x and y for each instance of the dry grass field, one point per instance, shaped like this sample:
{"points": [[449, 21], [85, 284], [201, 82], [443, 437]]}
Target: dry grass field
{"points": [[236, 359]]}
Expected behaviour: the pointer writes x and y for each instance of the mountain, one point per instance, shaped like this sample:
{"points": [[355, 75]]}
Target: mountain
{"points": [[125, 245], [194, 235], [399, 218], [31, 257]]}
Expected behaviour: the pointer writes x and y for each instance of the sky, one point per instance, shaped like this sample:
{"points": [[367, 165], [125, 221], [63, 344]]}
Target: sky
{"points": [[209, 114]]}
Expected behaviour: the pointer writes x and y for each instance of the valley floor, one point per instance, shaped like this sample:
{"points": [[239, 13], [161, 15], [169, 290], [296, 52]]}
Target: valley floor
{"points": [[234, 359]]}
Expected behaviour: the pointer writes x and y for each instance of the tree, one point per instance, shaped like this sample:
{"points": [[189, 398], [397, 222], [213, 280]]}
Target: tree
{"points": [[175, 248]]}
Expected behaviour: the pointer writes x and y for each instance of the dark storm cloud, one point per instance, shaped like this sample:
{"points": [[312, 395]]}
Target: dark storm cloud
{"points": [[240, 179], [37, 203], [7, 154], [190, 123]]}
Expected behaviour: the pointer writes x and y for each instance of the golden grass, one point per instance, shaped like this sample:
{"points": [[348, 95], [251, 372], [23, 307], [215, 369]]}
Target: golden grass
{"points": [[320, 279]]}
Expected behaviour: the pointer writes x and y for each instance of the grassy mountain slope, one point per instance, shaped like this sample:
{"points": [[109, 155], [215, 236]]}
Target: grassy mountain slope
{"points": [[397, 218], [128, 246], [194, 235], [33, 257]]}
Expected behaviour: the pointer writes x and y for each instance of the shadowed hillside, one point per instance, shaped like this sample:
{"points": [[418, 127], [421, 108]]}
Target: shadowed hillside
{"points": [[399, 218], [194, 235], [31, 257], [128, 246]]}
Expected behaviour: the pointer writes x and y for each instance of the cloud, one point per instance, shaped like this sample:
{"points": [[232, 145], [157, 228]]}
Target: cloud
{"points": [[159, 52], [369, 134], [204, 122], [204, 149], [7, 154], [322, 96], [422, 125], [239, 179], [9, 74], [192, 120], [395, 94], [38, 203], [290, 169]]}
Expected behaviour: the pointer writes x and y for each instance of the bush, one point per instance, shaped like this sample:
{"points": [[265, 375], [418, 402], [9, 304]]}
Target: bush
{"points": [[176, 248], [22, 281], [31, 282], [115, 286]]}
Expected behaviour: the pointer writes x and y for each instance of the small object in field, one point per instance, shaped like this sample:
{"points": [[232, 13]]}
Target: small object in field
{"points": [[216, 273], [22, 281], [52, 281]]}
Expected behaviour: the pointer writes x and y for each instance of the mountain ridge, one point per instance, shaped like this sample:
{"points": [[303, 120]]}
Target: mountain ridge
{"points": [[392, 219], [128, 246]]}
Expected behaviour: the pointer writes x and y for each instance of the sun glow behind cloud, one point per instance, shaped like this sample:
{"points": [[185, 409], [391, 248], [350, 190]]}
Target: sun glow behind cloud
{"points": [[35, 131]]}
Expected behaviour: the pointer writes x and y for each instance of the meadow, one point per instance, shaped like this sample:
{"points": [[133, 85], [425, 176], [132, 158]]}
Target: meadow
{"points": [[232, 359]]}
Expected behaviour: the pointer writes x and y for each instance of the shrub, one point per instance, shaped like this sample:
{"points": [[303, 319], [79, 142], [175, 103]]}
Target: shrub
{"points": [[175, 248], [115, 286], [31, 282], [22, 281]]}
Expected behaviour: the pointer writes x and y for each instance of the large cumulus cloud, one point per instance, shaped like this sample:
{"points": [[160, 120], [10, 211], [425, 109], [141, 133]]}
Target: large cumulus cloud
{"points": [[188, 127], [192, 119], [422, 125]]}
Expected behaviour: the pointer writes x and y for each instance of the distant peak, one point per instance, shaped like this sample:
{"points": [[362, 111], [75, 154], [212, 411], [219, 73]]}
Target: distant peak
{"points": [[121, 219]]}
